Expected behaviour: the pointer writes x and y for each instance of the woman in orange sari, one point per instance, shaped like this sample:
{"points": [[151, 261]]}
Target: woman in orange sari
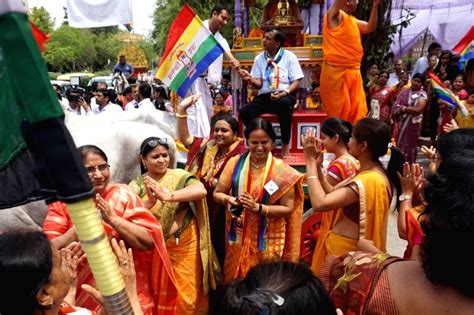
{"points": [[365, 199], [207, 159], [124, 218], [264, 199], [336, 134], [177, 199]]}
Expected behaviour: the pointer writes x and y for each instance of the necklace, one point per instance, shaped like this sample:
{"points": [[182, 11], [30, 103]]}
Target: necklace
{"points": [[257, 165], [220, 156]]}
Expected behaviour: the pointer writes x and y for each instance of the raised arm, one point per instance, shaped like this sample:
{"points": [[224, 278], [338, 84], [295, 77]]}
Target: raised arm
{"points": [[412, 182], [183, 131], [320, 200], [369, 27], [333, 15]]}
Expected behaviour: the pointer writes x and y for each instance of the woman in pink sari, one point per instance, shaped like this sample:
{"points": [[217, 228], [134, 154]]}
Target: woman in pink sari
{"points": [[409, 108]]}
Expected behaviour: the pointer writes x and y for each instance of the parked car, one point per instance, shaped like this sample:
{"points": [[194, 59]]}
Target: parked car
{"points": [[65, 85], [106, 79]]}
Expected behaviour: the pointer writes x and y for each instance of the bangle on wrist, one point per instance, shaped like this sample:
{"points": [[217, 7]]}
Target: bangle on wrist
{"points": [[311, 177], [266, 210], [181, 115], [172, 196], [260, 208]]}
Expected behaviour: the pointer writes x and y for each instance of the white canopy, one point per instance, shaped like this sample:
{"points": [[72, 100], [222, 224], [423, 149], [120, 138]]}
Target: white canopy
{"points": [[447, 20]]}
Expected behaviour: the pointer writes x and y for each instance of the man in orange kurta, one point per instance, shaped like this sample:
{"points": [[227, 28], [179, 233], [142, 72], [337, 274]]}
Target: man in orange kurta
{"points": [[341, 89]]}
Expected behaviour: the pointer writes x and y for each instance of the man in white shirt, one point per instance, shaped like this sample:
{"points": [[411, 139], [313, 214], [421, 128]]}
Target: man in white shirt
{"points": [[422, 63], [394, 77], [98, 86], [102, 98], [76, 103], [144, 94], [277, 73], [200, 113], [128, 94]]}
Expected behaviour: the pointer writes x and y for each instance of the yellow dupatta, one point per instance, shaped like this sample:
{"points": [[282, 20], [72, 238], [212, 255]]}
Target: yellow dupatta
{"points": [[176, 179], [374, 202]]}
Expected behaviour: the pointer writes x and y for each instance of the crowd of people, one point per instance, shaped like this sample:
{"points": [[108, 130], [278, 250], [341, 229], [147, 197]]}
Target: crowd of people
{"points": [[223, 235]]}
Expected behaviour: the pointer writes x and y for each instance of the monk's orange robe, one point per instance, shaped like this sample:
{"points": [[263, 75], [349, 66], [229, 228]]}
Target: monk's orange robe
{"points": [[341, 90]]}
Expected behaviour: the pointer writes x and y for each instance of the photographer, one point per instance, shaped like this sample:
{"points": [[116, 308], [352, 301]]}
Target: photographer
{"points": [[77, 102]]}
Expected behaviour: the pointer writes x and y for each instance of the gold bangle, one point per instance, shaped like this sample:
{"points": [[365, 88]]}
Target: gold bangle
{"points": [[312, 177], [266, 210], [181, 116]]}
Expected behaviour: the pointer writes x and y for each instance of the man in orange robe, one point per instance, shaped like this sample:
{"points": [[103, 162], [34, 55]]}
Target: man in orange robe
{"points": [[341, 88]]}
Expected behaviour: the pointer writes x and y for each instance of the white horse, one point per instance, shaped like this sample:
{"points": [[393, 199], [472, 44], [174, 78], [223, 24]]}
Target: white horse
{"points": [[119, 135], [120, 82]]}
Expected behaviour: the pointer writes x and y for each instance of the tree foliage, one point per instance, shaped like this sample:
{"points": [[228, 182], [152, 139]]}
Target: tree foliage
{"points": [[41, 18], [72, 49], [377, 45]]}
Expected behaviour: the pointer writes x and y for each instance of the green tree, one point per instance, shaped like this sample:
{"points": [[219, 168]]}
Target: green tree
{"points": [[41, 18], [70, 49], [106, 46], [108, 30], [377, 44]]}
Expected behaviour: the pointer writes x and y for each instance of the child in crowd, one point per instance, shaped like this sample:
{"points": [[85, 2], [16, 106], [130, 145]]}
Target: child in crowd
{"points": [[447, 112], [468, 121]]}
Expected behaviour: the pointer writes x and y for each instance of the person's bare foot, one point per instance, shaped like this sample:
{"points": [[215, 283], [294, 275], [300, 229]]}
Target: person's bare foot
{"points": [[285, 151]]}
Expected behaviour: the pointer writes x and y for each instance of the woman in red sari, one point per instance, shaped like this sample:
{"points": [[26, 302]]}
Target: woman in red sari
{"points": [[124, 218], [382, 92]]}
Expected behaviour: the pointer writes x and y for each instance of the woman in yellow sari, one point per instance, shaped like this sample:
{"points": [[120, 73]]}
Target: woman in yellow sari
{"points": [[365, 199], [264, 199], [335, 136], [177, 199]]}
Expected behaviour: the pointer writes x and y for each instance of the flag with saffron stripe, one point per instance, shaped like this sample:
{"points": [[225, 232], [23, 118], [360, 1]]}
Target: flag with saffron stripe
{"points": [[465, 47], [445, 94], [189, 51]]}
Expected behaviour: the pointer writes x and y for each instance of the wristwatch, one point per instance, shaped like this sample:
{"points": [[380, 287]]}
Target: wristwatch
{"points": [[287, 91], [404, 197]]}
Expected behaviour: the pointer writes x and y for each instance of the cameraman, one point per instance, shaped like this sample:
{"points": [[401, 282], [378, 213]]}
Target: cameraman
{"points": [[77, 103]]}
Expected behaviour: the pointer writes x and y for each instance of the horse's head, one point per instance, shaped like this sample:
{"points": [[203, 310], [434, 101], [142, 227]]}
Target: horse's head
{"points": [[119, 82]]}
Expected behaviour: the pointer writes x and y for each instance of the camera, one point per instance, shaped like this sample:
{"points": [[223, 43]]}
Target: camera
{"points": [[76, 94], [236, 210]]}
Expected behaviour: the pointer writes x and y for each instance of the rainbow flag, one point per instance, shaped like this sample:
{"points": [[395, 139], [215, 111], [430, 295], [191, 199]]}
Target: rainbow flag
{"points": [[445, 94], [189, 51], [465, 47]]}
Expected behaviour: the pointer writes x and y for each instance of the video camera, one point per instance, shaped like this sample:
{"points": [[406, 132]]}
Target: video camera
{"points": [[75, 94]]}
